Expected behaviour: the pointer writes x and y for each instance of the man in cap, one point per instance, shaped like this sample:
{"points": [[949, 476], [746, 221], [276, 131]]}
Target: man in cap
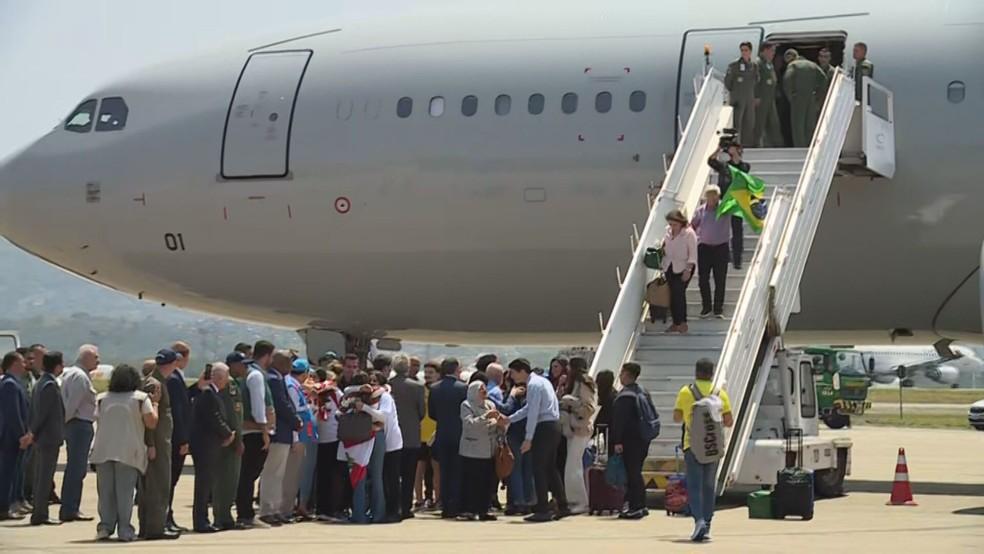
{"points": [[227, 459], [862, 67], [177, 389], [768, 133], [210, 432], [256, 425], [713, 253], [153, 488], [741, 80], [802, 83]]}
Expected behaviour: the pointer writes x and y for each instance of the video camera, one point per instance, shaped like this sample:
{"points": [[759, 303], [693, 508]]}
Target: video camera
{"points": [[729, 138]]}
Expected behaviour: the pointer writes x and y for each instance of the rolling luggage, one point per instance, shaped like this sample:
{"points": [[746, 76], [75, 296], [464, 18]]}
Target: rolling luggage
{"points": [[793, 495], [675, 501], [602, 497]]}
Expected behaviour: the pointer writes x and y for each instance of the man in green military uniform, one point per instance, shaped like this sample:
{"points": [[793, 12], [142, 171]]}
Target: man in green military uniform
{"points": [[802, 82], [862, 67], [768, 133], [740, 80], [823, 60], [228, 461], [154, 487]]}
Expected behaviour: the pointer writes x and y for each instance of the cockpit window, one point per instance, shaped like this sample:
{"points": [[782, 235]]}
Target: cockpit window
{"points": [[112, 114], [81, 119]]}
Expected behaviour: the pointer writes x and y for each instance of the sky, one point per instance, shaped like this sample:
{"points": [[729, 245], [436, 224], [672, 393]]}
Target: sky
{"points": [[54, 52]]}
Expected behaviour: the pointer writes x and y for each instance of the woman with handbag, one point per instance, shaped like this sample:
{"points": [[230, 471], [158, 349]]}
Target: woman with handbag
{"points": [[679, 263], [359, 427], [577, 413], [478, 439]]}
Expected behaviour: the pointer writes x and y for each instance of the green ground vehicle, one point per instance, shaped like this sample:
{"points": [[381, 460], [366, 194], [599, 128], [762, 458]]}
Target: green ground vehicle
{"points": [[842, 383]]}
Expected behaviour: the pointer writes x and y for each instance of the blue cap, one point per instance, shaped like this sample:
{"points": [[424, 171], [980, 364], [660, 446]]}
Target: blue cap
{"points": [[300, 366], [236, 358], [166, 356]]}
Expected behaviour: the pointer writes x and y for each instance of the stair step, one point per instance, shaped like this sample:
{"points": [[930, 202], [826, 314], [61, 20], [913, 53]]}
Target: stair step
{"points": [[689, 340], [753, 155], [777, 165], [696, 325], [677, 356]]}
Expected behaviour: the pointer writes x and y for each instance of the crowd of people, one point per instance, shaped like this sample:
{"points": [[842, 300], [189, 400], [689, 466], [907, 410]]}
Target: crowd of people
{"points": [[333, 441]]}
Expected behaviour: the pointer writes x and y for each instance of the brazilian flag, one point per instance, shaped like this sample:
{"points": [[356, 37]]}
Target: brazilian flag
{"points": [[744, 199]]}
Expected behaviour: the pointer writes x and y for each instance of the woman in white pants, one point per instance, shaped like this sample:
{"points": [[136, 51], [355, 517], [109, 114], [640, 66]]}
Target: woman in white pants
{"points": [[577, 412]]}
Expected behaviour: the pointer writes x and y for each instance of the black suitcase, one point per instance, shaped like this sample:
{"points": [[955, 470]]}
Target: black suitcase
{"points": [[793, 495]]}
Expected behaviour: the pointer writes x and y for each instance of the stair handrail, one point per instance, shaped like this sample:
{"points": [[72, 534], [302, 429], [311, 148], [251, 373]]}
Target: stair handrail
{"points": [[772, 294], [682, 188], [737, 363], [811, 195]]}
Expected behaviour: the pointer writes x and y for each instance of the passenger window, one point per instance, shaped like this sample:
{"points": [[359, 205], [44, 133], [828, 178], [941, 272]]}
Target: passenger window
{"points": [[536, 104], [637, 101], [503, 103], [568, 104], [437, 106], [603, 102], [81, 119], [404, 107], [956, 91], [112, 114], [469, 105]]}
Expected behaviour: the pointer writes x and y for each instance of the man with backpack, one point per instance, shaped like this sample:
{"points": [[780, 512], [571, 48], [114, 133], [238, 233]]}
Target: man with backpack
{"points": [[704, 411], [635, 424]]}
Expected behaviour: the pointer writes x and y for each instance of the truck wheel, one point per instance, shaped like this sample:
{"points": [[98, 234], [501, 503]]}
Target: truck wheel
{"points": [[829, 483], [979, 427], [837, 420]]}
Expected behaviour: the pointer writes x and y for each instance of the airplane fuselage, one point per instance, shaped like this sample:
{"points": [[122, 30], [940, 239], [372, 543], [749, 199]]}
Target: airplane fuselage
{"points": [[504, 221]]}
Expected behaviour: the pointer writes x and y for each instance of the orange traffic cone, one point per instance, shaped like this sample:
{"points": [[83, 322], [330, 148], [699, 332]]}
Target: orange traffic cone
{"points": [[901, 489]]}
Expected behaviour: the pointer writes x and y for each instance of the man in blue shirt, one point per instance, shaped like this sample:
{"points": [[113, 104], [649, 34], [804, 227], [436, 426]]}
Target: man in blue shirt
{"points": [[542, 438]]}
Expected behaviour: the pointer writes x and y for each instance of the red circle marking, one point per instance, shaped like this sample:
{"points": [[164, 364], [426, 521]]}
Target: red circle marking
{"points": [[343, 205]]}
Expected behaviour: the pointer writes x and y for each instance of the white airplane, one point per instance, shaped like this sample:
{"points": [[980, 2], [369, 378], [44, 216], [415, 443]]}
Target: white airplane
{"points": [[473, 176], [940, 364]]}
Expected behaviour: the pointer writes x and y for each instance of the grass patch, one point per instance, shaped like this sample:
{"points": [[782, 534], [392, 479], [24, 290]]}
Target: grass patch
{"points": [[927, 396], [914, 420]]}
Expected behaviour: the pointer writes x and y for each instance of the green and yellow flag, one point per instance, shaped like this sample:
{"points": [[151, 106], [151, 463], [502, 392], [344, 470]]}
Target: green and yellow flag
{"points": [[744, 199]]}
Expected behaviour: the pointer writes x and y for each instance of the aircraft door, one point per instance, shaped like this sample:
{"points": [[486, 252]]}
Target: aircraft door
{"points": [[256, 143], [721, 47], [878, 127]]}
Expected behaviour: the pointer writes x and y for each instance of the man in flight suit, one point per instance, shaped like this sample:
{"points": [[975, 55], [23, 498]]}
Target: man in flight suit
{"points": [[802, 82], [228, 459], [862, 67], [768, 133], [823, 60], [740, 80], [154, 487]]}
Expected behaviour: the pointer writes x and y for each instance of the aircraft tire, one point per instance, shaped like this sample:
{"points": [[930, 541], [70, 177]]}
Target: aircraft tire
{"points": [[837, 420]]}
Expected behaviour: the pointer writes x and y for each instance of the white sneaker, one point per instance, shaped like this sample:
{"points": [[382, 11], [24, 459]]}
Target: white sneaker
{"points": [[102, 535], [700, 531]]}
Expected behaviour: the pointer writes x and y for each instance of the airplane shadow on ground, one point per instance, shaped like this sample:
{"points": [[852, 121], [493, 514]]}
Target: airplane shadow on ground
{"points": [[932, 488], [970, 511]]}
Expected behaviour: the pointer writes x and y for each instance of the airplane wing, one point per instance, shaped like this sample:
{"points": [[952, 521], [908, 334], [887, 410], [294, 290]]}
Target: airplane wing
{"points": [[943, 349]]}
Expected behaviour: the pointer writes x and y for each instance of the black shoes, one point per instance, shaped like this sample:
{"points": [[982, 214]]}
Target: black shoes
{"points": [[76, 517], [165, 536], [272, 521], [37, 522], [633, 514], [539, 517], [207, 529], [487, 517]]}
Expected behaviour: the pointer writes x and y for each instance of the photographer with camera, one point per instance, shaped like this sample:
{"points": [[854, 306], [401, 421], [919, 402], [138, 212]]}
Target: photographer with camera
{"points": [[729, 154]]}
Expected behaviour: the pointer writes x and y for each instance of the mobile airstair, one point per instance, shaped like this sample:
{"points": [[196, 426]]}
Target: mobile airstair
{"points": [[760, 297]]}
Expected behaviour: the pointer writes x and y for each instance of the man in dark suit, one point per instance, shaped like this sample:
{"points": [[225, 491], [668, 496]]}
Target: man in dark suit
{"points": [[14, 435], [209, 432], [410, 410], [177, 389], [47, 432], [444, 406]]}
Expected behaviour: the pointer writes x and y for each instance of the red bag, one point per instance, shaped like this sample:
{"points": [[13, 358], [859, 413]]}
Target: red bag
{"points": [[676, 502], [603, 497]]}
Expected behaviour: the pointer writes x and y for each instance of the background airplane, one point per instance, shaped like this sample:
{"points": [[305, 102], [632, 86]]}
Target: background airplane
{"points": [[942, 364]]}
